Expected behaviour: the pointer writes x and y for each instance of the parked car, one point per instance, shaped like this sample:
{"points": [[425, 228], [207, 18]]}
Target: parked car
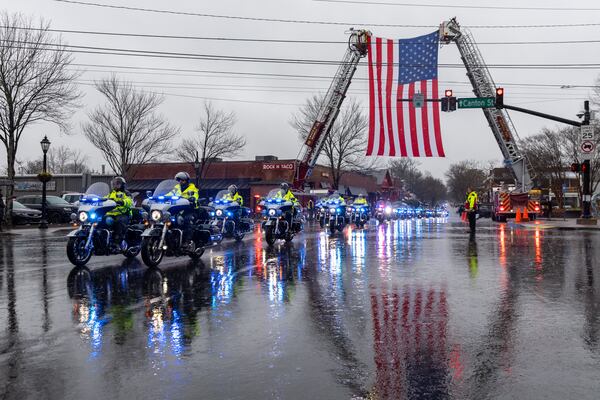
{"points": [[485, 210], [58, 210], [22, 215], [72, 198]]}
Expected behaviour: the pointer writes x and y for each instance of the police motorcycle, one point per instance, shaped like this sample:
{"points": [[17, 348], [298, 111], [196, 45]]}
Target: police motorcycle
{"points": [[283, 219], [322, 211], [383, 211], [175, 227], [337, 216], [229, 217], [358, 214], [94, 236], [400, 210]]}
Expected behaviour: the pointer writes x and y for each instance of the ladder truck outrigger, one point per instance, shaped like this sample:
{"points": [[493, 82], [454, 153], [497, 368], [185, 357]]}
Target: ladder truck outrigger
{"points": [[330, 108], [505, 203]]}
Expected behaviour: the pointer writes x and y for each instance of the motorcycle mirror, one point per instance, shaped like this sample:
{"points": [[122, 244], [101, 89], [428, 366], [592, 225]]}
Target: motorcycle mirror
{"points": [[148, 193]]}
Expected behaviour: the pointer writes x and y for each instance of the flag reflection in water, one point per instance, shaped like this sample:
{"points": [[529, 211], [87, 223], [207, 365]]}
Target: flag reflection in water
{"points": [[410, 343]]}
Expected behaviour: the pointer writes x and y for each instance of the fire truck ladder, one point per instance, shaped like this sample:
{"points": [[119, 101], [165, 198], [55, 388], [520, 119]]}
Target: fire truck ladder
{"points": [[484, 86], [330, 107]]}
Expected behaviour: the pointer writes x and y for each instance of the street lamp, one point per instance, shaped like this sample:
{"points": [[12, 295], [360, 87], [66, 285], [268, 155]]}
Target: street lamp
{"points": [[197, 170], [45, 143]]}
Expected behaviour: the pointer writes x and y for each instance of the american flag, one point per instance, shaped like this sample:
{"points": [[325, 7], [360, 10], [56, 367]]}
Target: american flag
{"points": [[398, 71]]}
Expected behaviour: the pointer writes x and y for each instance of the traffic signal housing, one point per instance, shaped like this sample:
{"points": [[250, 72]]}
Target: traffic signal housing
{"points": [[499, 97], [576, 167], [448, 101]]}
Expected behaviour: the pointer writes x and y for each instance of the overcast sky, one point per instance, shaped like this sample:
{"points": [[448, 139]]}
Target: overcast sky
{"points": [[264, 105]]}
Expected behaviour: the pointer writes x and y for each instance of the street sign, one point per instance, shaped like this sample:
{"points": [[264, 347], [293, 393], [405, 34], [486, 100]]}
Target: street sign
{"points": [[587, 147], [477, 102], [587, 142], [418, 100]]}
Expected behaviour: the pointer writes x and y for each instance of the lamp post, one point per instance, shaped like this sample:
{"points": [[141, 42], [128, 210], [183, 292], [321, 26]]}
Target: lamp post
{"points": [[45, 143], [197, 170]]}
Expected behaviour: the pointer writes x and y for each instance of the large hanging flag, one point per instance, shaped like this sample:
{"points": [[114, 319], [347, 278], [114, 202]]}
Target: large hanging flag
{"points": [[397, 71]]}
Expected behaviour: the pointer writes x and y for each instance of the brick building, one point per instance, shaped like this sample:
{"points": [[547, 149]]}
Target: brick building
{"points": [[254, 178]]}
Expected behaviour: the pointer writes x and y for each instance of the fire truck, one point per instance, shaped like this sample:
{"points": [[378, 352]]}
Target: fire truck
{"points": [[505, 203]]}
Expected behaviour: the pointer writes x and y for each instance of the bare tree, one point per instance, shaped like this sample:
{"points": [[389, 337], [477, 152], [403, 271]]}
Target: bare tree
{"points": [[462, 175], [407, 170], [35, 84], [127, 129], [60, 160], [214, 138], [344, 148]]}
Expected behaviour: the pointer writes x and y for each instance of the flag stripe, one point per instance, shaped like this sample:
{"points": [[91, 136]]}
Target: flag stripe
{"points": [[378, 44], [389, 96], [436, 119], [400, 118], [425, 120], [412, 114]]}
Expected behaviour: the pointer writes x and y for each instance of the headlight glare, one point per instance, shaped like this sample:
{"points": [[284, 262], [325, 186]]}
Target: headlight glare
{"points": [[156, 215], [83, 216], [272, 212]]}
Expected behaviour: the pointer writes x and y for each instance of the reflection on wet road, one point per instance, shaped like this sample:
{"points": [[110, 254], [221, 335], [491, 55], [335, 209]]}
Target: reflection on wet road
{"points": [[410, 309]]}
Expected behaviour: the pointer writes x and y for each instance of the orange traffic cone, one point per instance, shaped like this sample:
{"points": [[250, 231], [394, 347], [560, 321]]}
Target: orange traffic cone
{"points": [[463, 216], [518, 216], [525, 215]]}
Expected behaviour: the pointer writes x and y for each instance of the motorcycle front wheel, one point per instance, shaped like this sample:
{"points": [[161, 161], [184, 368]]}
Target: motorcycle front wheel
{"points": [[270, 236], [151, 253], [331, 227], [76, 251]]}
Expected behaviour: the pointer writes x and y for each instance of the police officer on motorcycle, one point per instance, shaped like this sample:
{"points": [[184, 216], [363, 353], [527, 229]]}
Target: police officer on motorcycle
{"points": [[122, 212], [360, 200], [185, 188], [233, 195]]}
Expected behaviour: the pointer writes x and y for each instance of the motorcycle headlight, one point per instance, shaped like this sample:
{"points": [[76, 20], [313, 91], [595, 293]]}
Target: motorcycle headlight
{"points": [[332, 210], [83, 216], [272, 212], [388, 210], [219, 213], [156, 215]]}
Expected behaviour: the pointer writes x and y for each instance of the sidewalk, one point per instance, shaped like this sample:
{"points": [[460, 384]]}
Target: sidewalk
{"points": [[569, 224], [35, 231]]}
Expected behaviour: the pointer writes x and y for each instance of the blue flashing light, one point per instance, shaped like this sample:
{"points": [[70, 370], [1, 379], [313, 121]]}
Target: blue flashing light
{"points": [[95, 199], [93, 216], [339, 210], [229, 214], [212, 213], [161, 197], [175, 198]]}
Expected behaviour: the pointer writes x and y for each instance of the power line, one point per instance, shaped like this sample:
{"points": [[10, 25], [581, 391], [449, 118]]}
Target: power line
{"points": [[274, 60], [263, 40], [162, 71], [259, 19], [424, 5]]}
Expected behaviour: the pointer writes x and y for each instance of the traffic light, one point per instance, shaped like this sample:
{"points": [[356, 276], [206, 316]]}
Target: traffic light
{"points": [[452, 103], [576, 167], [585, 166], [499, 97], [444, 103], [448, 101]]}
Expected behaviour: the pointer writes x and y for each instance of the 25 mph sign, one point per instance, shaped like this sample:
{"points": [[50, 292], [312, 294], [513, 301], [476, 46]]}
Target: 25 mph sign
{"points": [[587, 142]]}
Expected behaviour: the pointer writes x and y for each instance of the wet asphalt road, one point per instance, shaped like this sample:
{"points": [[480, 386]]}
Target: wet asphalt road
{"points": [[402, 310]]}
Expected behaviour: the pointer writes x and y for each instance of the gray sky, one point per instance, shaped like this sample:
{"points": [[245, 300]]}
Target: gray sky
{"points": [[465, 132]]}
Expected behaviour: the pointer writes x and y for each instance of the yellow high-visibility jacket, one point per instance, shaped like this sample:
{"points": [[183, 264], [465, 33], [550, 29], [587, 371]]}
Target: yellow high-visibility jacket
{"points": [[236, 197], [125, 208]]}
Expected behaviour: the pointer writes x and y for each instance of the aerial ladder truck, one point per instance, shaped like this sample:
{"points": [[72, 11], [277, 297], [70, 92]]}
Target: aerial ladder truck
{"points": [[505, 204], [330, 108]]}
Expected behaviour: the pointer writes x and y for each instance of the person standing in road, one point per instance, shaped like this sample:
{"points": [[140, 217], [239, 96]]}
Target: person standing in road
{"points": [[471, 209]]}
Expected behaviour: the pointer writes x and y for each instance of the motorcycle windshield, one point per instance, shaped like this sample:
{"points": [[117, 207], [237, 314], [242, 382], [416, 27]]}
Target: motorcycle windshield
{"points": [[275, 193], [222, 195], [98, 189], [165, 188]]}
